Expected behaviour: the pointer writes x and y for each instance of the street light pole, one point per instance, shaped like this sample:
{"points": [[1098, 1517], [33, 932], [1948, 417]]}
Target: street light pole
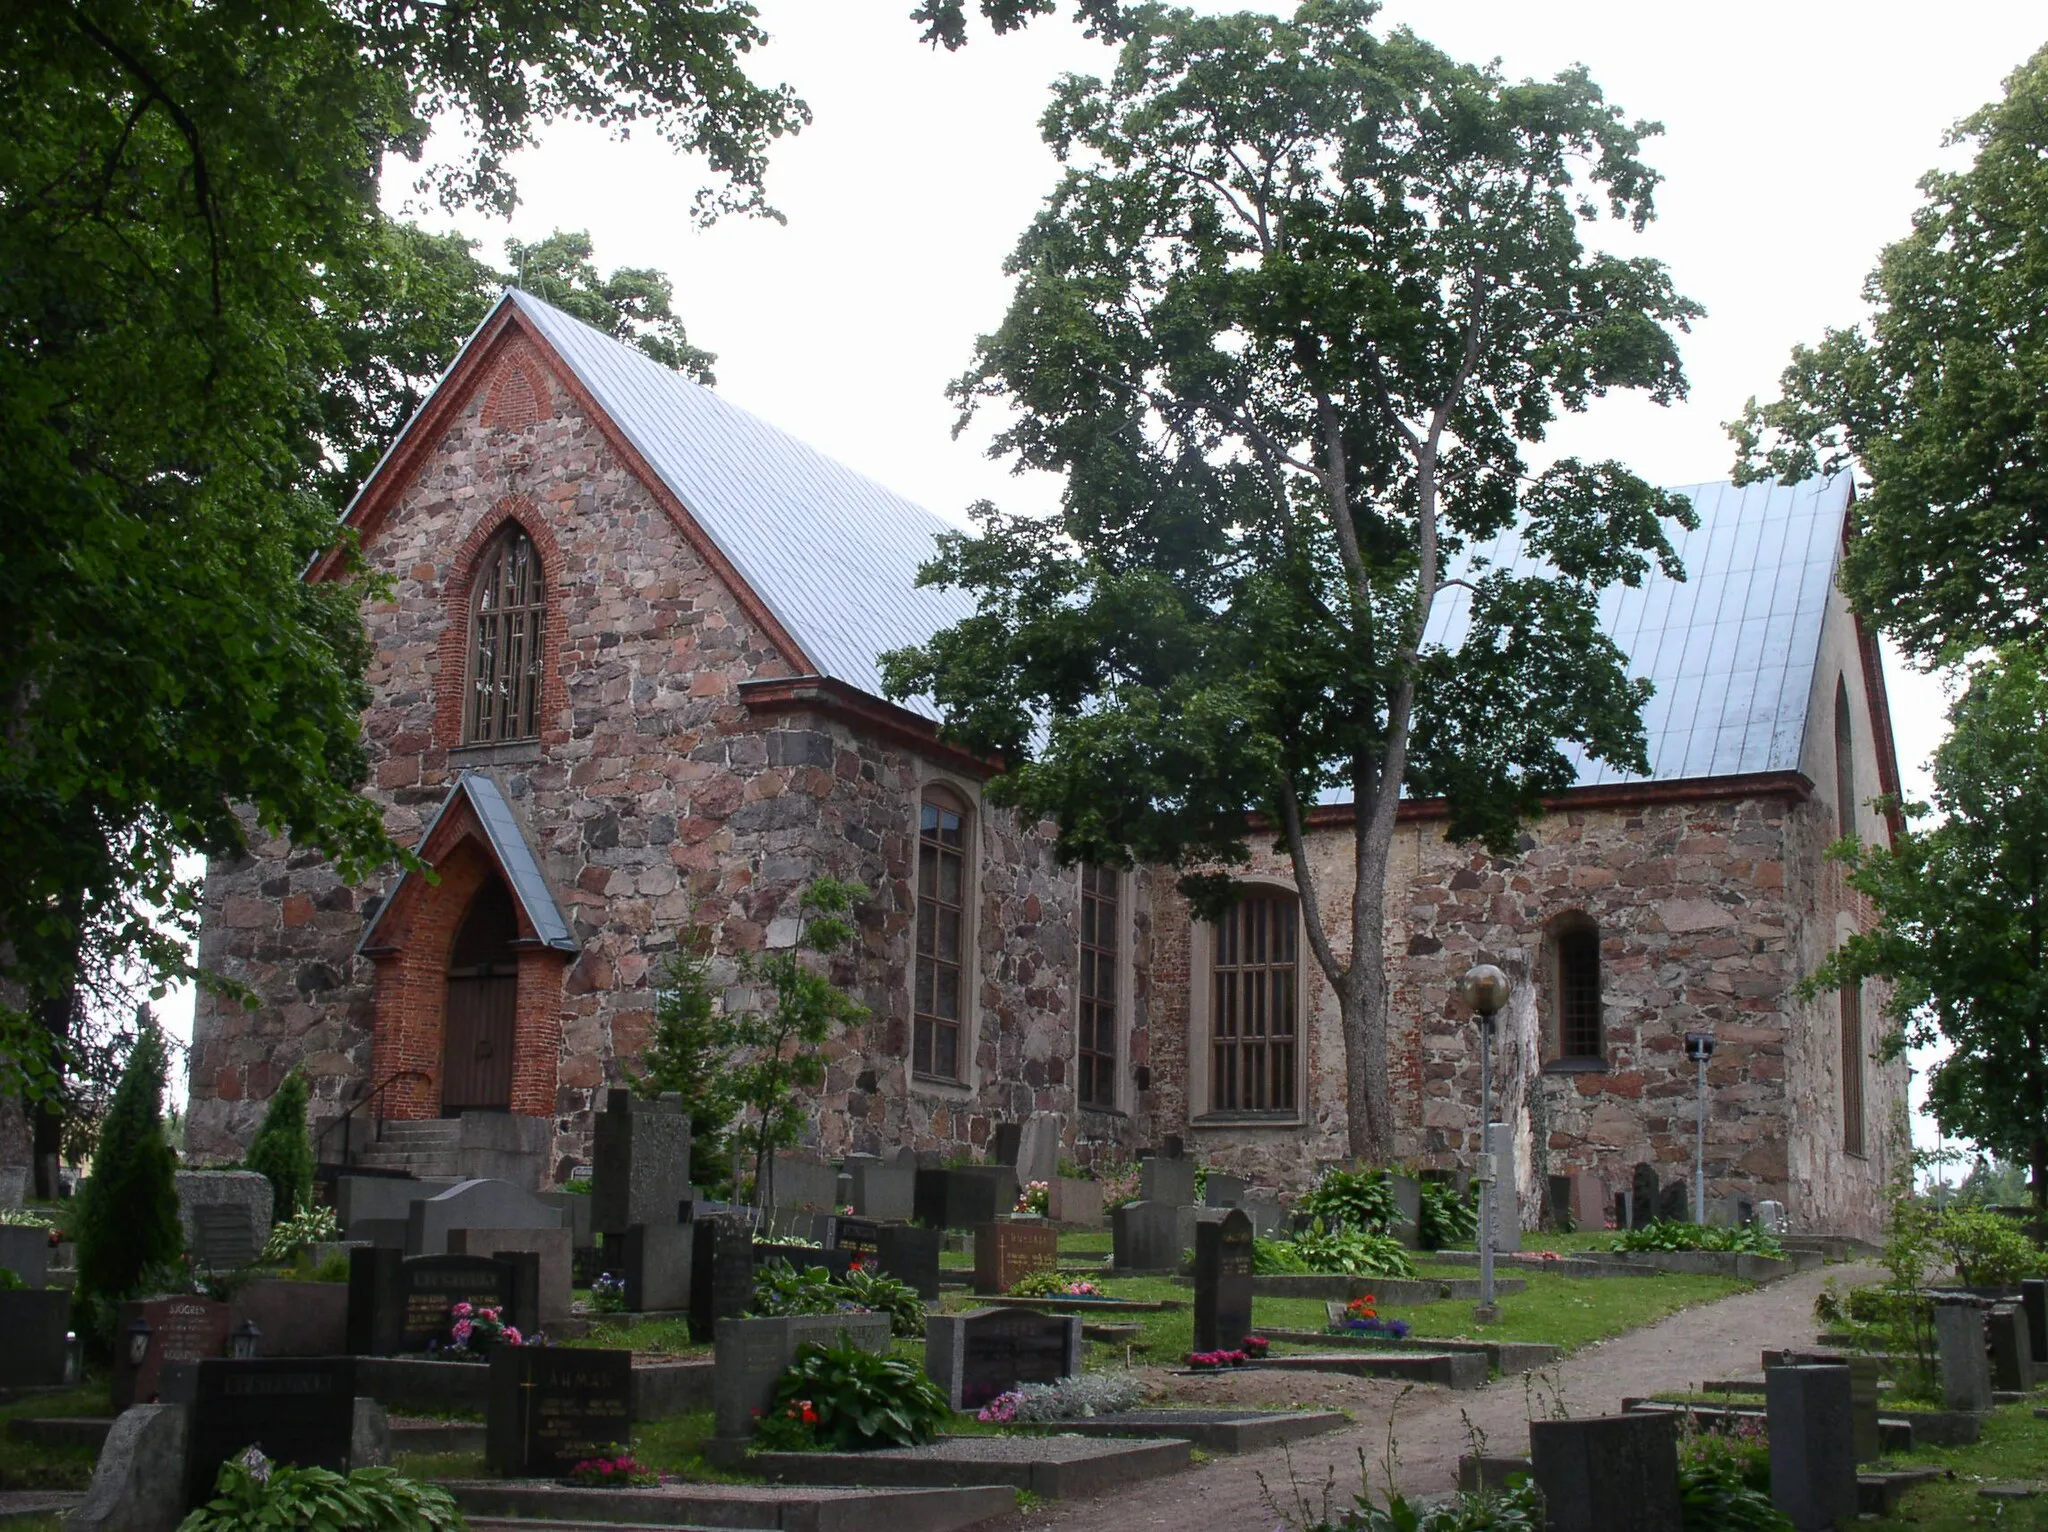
{"points": [[1485, 989], [1699, 1047]]}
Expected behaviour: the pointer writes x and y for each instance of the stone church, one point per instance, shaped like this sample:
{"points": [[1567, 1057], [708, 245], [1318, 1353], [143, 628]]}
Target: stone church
{"points": [[625, 683]]}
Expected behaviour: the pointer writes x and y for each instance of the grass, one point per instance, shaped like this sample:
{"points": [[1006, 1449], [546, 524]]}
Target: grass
{"points": [[29, 1465], [439, 1465], [676, 1445], [669, 1337], [2013, 1448]]}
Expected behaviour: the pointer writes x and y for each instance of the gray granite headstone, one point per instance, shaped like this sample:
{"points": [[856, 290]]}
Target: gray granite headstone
{"points": [[25, 1251], [1267, 1213], [881, 1189], [1612, 1473], [383, 1199], [1813, 1445], [640, 1162], [1168, 1181], [1965, 1364], [753, 1354], [2034, 1302], [1074, 1202], [1407, 1210], [13, 1185], [1223, 1282], [1222, 1191], [1038, 1149], [2012, 1349], [226, 1216], [804, 1182], [656, 1261], [1507, 1194], [474, 1205], [138, 1484], [974, 1357], [1770, 1217], [1145, 1236], [550, 1245]]}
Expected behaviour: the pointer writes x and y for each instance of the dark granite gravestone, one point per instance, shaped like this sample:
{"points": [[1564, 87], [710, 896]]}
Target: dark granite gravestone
{"points": [[1557, 1212], [401, 1303], [550, 1408], [1673, 1205], [656, 1261], [976, 1356], [640, 1162], [966, 1196], [1613, 1473], [477, 1204], [721, 1273], [910, 1254], [1221, 1191], [2034, 1301], [33, 1324], [2012, 1350], [299, 1410], [1006, 1253], [1223, 1282], [1407, 1209], [1813, 1445], [226, 1239], [25, 1251], [1145, 1236], [859, 1237], [753, 1354], [1008, 1141], [1643, 1192], [184, 1329]]}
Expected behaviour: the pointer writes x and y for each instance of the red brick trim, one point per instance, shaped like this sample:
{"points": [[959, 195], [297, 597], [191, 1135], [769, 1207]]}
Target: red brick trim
{"points": [[451, 680], [1793, 785], [519, 395], [411, 986], [849, 704]]}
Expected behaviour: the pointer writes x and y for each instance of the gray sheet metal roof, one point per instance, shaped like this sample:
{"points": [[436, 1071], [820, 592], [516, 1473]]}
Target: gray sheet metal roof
{"points": [[515, 857], [1732, 647], [833, 554]]}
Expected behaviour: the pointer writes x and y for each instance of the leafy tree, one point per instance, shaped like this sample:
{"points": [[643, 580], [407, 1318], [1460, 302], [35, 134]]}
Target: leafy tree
{"points": [[945, 21], [688, 1056], [632, 303], [128, 1208], [1300, 300], [283, 1150], [1940, 396], [1962, 918]]}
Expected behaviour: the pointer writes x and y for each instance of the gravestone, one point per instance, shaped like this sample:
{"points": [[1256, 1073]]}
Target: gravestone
{"points": [[1169, 1181], [1005, 1253], [640, 1162], [1770, 1217], [474, 1205], [804, 1182], [576, 1216], [226, 1216], [880, 1189], [974, 1357], [1267, 1213], [181, 1329], [910, 1254], [2034, 1303], [1643, 1190], [1813, 1445], [1673, 1206], [859, 1237], [551, 1246], [1007, 1144], [1611, 1473], [1038, 1149], [963, 1197], [1407, 1210], [550, 1408], [293, 1318], [299, 1410], [1507, 1190], [1145, 1236], [1965, 1365], [13, 1185], [1222, 1191], [399, 1304], [1074, 1202], [721, 1273], [1557, 1208], [1223, 1283], [753, 1354], [33, 1325], [656, 1262], [25, 1251], [379, 1200], [138, 1484], [2012, 1349]]}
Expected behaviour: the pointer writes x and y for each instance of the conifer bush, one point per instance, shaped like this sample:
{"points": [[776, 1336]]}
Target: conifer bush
{"points": [[128, 1208], [283, 1150]]}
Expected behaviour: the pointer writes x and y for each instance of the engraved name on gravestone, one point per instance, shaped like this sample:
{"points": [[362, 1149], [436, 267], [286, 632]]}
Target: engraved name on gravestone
{"points": [[1223, 1282], [180, 1330], [976, 1356], [402, 1303], [550, 1408], [721, 1273], [299, 1410], [1005, 1253]]}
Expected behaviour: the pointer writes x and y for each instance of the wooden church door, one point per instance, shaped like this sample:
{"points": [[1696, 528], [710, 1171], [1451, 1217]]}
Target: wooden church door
{"points": [[483, 1005]]}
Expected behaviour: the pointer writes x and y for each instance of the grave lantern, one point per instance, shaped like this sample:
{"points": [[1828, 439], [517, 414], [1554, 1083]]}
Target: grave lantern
{"points": [[1485, 989], [138, 1333], [1699, 1047], [245, 1342]]}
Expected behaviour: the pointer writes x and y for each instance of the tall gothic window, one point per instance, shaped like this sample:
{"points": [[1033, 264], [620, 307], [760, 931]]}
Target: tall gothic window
{"points": [[1852, 1067], [1254, 1012], [1575, 945], [941, 970], [505, 651], [1845, 762], [1101, 932]]}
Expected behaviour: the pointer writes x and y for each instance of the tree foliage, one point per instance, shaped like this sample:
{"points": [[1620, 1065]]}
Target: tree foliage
{"points": [[283, 1149], [687, 1056], [944, 22], [1941, 397], [1299, 302], [1962, 917], [128, 1209]]}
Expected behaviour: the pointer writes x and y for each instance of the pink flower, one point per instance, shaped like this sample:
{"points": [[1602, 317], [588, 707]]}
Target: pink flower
{"points": [[512, 1335], [462, 1311]]}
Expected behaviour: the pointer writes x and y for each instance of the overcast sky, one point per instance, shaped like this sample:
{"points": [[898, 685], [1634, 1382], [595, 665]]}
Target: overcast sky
{"points": [[1795, 132]]}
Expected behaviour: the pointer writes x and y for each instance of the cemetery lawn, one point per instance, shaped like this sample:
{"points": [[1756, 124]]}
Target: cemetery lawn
{"points": [[669, 1337], [30, 1465], [2012, 1451]]}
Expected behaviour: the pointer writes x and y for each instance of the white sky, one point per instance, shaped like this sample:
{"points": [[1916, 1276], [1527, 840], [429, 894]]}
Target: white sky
{"points": [[1795, 133]]}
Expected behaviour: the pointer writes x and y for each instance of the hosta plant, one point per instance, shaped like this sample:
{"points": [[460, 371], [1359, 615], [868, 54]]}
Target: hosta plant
{"points": [[251, 1494], [1352, 1199], [863, 1400]]}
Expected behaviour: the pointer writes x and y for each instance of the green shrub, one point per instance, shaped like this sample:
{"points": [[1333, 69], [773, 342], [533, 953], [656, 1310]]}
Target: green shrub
{"points": [[10, 1280], [283, 1150], [1518, 1508], [128, 1207], [253, 1495], [881, 1294], [1349, 1252], [308, 1226], [1352, 1199], [1448, 1221], [779, 1289], [862, 1400], [26, 1218], [1039, 1284], [1674, 1235], [1277, 1258], [1987, 1249], [1719, 1493]]}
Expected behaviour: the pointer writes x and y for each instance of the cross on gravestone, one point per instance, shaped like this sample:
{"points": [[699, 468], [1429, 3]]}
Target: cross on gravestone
{"points": [[1223, 1282], [184, 1329], [1965, 1365], [976, 1356], [640, 1162], [721, 1273], [753, 1354], [551, 1408], [1612, 1473], [399, 1304], [298, 1410], [1006, 1253], [1813, 1445]]}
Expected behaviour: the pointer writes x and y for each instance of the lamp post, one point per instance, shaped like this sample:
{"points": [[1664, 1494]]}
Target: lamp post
{"points": [[1699, 1047], [1485, 989]]}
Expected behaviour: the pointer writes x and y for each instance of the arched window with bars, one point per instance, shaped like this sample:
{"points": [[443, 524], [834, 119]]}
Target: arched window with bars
{"points": [[1578, 1031], [944, 898], [1254, 1006], [506, 659]]}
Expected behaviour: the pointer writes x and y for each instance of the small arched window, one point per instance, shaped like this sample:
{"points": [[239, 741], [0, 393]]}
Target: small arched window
{"points": [[940, 986], [505, 652], [1575, 987], [1845, 762]]}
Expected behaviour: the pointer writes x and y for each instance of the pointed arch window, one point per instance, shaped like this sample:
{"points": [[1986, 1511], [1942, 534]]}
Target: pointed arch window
{"points": [[943, 900], [505, 653], [1845, 762]]}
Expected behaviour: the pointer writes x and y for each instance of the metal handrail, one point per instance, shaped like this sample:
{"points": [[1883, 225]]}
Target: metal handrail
{"points": [[347, 1148]]}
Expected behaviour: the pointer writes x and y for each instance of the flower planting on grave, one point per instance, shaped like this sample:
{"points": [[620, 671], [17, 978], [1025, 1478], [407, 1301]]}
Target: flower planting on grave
{"points": [[1079, 1398], [1050, 1284], [608, 1294], [1362, 1317], [1216, 1361], [474, 1329], [253, 1492], [851, 1400], [781, 1290], [1035, 1198], [612, 1468], [1256, 1346], [1724, 1480], [308, 1226], [1672, 1235], [1344, 1251], [1446, 1220], [1119, 1183]]}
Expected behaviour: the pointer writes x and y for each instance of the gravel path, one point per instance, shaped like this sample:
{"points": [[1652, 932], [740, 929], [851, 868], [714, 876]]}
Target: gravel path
{"points": [[1433, 1426]]}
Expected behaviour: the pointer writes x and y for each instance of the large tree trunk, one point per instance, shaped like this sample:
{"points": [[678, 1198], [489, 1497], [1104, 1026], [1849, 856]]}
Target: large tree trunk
{"points": [[1368, 1058]]}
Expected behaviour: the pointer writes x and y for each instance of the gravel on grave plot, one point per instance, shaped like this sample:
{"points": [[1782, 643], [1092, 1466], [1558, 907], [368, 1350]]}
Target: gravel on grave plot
{"points": [[1213, 1430], [1055, 1467]]}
